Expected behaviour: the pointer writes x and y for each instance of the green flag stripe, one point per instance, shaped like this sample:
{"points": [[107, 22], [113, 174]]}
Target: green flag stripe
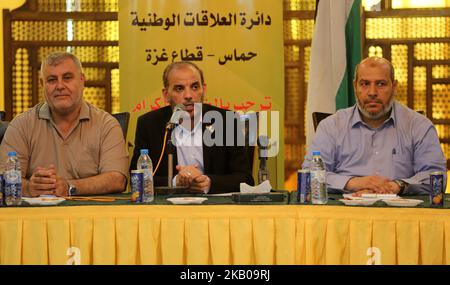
{"points": [[345, 96]]}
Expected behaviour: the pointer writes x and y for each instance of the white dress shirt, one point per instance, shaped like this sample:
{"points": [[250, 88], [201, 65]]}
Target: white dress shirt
{"points": [[189, 145]]}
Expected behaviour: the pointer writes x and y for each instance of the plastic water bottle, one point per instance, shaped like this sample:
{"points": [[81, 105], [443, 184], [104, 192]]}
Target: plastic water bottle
{"points": [[318, 181], [145, 163], [13, 180]]}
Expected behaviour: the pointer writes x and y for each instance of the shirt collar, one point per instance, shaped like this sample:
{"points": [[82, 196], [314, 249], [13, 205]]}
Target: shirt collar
{"points": [[196, 127], [356, 117], [44, 112]]}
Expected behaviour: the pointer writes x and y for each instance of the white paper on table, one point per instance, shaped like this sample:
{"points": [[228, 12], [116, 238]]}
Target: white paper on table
{"points": [[264, 187]]}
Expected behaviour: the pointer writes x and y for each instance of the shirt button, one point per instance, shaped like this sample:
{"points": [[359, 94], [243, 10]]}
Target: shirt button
{"points": [[376, 152]]}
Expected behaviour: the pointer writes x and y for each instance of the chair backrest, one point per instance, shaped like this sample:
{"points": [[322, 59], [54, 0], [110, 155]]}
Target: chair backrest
{"points": [[317, 117], [250, 135], [123, 118], [3, 126]]}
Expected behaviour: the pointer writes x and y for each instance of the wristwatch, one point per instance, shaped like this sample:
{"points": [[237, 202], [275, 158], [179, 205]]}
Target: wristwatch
{"points": [[402, 184], [72, 190]]}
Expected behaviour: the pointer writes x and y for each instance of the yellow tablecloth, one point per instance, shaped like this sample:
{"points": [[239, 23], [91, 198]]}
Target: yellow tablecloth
{"points": [[288, 234]]}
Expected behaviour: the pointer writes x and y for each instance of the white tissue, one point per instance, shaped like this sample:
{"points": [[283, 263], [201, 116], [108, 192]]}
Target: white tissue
{"points": [[264, 187]]}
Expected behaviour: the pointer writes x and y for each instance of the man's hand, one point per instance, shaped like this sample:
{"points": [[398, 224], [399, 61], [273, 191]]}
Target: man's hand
{"points": [[42, 181], [395, 188], [61, 184], [45, 181], [364, 191], [201, 184], [187, 174], [375, 184]]}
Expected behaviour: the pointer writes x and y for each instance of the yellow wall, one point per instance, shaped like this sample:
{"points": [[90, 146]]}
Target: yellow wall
{"points": [[5, 4]]}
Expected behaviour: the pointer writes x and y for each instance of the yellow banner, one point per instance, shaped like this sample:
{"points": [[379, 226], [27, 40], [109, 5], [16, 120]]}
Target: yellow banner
{"points": [[238, 44]]}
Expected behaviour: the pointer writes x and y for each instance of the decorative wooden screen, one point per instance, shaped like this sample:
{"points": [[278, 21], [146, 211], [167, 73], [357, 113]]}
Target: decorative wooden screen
{"points": [[88, 28], [417, 41], [298, 29]]}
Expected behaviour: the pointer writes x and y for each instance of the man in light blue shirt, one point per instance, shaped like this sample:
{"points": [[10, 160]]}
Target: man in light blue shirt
{"points": [[378, 145]]}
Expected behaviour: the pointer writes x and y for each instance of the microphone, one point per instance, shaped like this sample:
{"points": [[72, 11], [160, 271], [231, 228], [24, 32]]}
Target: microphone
{"points": [[176, 116], [263, 145]]}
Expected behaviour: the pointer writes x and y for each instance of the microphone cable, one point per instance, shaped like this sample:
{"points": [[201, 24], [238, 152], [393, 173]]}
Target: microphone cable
{"points": [[177, 107], [162, 152]]}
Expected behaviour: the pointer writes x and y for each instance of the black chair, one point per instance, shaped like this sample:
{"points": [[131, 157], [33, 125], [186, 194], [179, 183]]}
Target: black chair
{"points": [[123, 118], [250, 135], [3, 126], [317, 117]]}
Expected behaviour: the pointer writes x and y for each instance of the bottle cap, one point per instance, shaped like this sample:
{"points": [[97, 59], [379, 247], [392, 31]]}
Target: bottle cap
{"points": [[144, 151], [316, 152], [12, 153]]}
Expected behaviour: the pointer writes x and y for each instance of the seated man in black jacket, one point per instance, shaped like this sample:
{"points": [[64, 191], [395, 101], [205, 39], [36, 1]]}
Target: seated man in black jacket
{"points": [[204, 168]]}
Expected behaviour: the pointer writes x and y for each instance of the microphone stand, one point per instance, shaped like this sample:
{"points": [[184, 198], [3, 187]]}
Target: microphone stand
{"points": [[170, 151], [263, 172], [170, 147]]}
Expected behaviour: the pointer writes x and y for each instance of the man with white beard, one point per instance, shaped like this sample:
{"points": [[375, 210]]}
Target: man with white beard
{"points": [[378, 145]]}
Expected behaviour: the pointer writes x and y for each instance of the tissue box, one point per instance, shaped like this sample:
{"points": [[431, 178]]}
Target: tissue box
{"points": [[272, 197]]}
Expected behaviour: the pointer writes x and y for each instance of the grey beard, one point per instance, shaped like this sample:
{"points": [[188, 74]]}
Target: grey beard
{"points": [[379, 115]]}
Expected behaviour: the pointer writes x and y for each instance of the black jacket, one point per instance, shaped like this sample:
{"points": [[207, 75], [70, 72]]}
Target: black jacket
{"points": [[226, 166]]}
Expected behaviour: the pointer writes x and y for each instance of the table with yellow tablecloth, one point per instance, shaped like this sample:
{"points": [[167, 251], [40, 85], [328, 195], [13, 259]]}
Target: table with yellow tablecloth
{"points": [[224, 234]]}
